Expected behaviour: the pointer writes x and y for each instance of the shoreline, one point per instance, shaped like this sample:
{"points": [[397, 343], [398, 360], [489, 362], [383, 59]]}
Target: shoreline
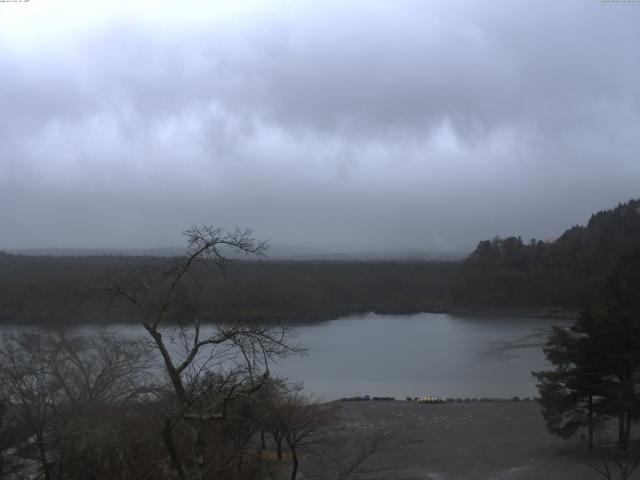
{"points": [[547, 313], [530, 312], [434, 399], [462, 441]]}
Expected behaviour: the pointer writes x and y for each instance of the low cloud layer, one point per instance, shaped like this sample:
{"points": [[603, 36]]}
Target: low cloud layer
{"points": [[343, 126]]}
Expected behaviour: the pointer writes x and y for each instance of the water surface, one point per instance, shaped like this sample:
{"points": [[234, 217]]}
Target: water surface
{"points": [[410, 355], [422, 354]]}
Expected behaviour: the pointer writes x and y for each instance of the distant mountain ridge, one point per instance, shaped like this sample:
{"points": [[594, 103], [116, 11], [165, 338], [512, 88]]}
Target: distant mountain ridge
{"points": [[96, 251], [275, 253]]}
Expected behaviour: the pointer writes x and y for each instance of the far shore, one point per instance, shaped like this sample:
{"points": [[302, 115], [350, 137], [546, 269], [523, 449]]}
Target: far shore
{"points": [[553, 313], [547, 312]]}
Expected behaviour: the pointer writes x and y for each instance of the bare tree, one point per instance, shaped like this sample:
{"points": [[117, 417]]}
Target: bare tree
{"points": [[612, 462], [315, 437], [210, 370], [102, 368], [30, 389], [297, 420], [268, 412], [3, 443], [60, 388], [305, 419], [341, 456]]}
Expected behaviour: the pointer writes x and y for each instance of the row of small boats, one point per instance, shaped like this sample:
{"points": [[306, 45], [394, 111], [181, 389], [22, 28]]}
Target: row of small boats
{"points": [[432, 399]]}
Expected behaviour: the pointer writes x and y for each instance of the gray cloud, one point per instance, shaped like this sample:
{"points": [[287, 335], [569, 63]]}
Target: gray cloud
{"points": [[367, 125]]}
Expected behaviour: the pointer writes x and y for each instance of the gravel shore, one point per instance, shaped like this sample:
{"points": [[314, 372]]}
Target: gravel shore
{"points": [[475, 440]]}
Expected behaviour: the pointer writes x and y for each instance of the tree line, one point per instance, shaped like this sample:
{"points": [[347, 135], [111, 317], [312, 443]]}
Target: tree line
{"points": [[569, 271], [66, 290], [503, 272]]}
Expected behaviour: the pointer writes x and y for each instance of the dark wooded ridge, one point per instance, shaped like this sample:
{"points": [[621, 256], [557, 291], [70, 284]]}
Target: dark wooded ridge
{"points": [[567, 272]]}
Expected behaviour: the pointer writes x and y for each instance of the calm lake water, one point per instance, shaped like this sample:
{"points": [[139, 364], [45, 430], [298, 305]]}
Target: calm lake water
{"points": [[422, 354], [413, 355]]}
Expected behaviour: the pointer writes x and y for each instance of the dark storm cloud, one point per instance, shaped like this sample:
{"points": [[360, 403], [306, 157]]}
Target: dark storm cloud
{"points": [[342, 125]]}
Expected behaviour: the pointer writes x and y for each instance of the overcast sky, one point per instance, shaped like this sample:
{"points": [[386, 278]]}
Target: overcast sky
{"points": [[337, 125]]}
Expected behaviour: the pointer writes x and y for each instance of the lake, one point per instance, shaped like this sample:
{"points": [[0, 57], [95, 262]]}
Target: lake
{"points": [[412, 355], [421, 354]]}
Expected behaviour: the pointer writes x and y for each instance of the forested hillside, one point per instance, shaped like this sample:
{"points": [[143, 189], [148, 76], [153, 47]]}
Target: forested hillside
{"points": [[568, 271]]}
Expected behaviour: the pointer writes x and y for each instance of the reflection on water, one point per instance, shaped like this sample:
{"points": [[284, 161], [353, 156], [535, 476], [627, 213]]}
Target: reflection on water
{"points": [[423, 354]]}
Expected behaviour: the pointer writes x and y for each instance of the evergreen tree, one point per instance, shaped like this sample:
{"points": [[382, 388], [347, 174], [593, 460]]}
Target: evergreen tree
{"points": [[569, 394], [597, 362], [619, 330]]}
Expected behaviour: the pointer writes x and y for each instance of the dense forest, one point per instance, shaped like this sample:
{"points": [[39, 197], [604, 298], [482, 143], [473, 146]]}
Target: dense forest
{"points": [[67, 289], [567, 272], [509, 272]]}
